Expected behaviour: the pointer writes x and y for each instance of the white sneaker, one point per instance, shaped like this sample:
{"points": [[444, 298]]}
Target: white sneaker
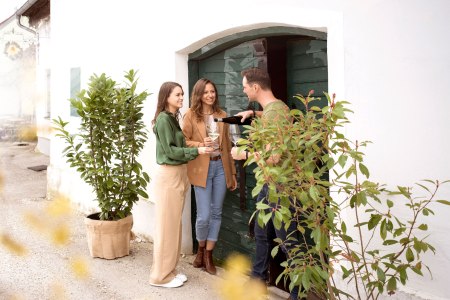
{"points": [[181, 276], [174, 283]]}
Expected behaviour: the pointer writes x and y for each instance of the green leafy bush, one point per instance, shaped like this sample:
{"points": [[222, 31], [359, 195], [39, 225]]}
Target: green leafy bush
{"points": [[111, 136], [322, 176]]}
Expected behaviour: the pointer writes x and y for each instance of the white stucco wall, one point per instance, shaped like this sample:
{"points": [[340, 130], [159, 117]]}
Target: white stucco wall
{"points": [[16, 75], [388, 58], [396, 70], [43, 87]]}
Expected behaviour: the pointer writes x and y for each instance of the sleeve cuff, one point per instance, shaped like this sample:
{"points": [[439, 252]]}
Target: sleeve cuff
{"points": [[191, 153]]}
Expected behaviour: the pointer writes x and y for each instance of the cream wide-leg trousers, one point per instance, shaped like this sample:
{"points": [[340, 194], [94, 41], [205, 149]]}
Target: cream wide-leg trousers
{"points": [[172, 184]]}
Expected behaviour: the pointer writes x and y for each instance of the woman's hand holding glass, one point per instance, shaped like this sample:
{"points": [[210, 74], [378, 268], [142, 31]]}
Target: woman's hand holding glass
{"points": [[208, 142], [205, 150], [212, 130]]}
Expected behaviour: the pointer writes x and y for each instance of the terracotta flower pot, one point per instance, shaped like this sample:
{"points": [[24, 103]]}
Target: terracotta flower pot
{"points": [[108, 239]]}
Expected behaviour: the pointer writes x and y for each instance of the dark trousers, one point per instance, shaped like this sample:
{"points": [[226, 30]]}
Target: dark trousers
{"points": [[263, 239]]}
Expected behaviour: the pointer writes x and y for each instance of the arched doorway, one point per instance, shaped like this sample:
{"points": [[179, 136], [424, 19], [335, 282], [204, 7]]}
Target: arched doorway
{"points": [[296, 60]]}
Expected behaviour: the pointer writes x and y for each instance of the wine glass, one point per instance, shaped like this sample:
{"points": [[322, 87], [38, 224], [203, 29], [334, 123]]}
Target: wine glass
{"points": [[212, 130], [235, 133]]}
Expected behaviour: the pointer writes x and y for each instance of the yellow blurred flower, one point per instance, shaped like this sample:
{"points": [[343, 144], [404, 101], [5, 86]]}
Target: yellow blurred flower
{"points": [[79, 267], [35, 222], [28, 133], [12, 246], [57, 292], [237, 264], [53, 221], [60, 206], [14, 297], [1, 182], [45, 130], [60, 235], [236, 284]]}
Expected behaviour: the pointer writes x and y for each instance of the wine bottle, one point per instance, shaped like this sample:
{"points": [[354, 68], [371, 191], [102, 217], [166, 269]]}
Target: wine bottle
{"points": [[235, 120]]}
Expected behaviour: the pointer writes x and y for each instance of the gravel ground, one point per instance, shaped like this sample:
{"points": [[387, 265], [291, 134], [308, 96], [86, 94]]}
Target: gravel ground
{"points": [[46, 272]]}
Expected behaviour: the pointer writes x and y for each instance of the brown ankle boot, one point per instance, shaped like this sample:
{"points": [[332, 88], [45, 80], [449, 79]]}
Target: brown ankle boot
{"points": [[209, 264], [199, 260]]}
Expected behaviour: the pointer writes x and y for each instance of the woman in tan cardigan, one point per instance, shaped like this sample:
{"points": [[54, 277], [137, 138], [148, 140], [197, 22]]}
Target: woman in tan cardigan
{"points": [[210, 175]]}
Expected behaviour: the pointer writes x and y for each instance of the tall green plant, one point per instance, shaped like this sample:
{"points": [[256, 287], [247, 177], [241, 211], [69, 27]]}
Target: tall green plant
{"points": [[374, 247], [111, 136]]}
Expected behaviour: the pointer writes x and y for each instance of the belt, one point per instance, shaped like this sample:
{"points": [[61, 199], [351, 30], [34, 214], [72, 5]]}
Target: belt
{"points": [[215, 157]]}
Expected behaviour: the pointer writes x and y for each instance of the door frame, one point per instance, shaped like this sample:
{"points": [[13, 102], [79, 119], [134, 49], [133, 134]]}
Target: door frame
{"points": [[241, 37]]}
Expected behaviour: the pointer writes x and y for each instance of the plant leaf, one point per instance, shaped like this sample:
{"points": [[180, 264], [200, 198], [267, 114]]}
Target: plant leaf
{"points": [[409, 255], [443, 202], [392, 284], [364, 170]]}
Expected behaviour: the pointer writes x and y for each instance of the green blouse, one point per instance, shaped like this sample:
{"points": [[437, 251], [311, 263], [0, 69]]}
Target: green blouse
{"points": [[171, 146]]}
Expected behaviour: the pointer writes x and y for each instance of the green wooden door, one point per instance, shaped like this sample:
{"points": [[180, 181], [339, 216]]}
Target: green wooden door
{"points": [[306, 68], [224, 70]]}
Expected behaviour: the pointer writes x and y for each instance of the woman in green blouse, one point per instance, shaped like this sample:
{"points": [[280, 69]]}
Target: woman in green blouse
{"points": [[172, 183]]}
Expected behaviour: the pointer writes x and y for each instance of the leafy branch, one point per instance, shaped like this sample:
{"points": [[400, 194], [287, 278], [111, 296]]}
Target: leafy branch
{"points": [[321, 177]]}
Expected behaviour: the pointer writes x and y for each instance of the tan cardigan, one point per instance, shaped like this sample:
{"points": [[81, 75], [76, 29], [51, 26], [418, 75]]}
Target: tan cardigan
{"points": [[195, 132]]}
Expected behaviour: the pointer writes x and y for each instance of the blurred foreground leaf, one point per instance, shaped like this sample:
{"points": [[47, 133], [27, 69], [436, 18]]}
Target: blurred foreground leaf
{"points": [[60, 206], [12, 246], [79, 267], [60, 235], [237, 285]]}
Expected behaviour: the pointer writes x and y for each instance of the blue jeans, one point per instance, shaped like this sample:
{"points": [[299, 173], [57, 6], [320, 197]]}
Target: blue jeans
{"points": [[209, 203], [263, 239]]}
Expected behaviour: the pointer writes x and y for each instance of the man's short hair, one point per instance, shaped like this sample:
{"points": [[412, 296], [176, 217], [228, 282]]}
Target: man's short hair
{"points": [[258, 76]]}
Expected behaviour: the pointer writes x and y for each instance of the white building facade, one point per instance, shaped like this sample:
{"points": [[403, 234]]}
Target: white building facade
{"points": [[388, 58]]}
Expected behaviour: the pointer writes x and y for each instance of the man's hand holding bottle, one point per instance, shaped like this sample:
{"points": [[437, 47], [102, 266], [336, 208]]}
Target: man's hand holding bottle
{"points": [[242, 118], [248, 114]]}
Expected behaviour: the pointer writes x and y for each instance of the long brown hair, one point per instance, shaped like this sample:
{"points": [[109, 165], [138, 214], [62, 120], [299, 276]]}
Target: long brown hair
{"points": [[164, 93], [196, 98]]}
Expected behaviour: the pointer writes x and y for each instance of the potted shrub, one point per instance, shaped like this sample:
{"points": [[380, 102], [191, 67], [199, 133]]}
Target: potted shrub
{"points": [[353, 240], [105, 152]]}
